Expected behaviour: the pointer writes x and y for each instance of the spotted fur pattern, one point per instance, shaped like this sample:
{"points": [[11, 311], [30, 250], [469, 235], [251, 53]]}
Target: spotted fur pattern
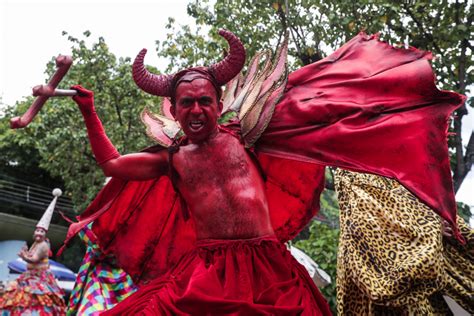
{"points": [[392, 257]]}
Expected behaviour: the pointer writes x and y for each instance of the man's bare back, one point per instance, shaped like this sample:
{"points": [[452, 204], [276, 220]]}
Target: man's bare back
{"points": [[224, 206]]}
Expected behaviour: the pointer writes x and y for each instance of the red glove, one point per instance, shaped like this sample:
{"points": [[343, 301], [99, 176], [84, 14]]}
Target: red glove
{"points": [[102, 147], [85, 99]]}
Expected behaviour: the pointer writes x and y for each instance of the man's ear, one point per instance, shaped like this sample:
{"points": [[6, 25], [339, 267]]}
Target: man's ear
{"points": [[173, 110]]}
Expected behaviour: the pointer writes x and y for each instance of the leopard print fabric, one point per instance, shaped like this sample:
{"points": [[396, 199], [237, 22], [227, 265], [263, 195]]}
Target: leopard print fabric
{"points": [[392, 258]]}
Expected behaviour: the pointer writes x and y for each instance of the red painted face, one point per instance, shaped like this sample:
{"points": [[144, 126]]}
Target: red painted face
{"points": [[197, 109]]}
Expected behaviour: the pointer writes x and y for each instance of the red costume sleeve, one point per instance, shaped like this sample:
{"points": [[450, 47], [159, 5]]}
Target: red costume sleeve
{"points": [[102, 147], [370, 107]]}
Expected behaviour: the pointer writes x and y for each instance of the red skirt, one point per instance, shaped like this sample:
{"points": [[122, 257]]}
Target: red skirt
{"points": [[230, 277]]}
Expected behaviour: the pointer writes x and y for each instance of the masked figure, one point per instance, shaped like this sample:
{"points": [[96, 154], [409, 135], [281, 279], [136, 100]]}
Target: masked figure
{"points": [[200, 220], [35, 292]]}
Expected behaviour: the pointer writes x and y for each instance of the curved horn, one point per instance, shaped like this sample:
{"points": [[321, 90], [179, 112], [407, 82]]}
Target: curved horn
{"points": [[230, 67], [159, 85]]}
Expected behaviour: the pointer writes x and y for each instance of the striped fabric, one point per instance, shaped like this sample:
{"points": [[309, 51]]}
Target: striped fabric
{"points": [[99, 285]]}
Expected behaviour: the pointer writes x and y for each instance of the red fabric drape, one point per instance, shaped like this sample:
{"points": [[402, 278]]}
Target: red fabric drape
{"points": [[370, 107], [230, 277]]}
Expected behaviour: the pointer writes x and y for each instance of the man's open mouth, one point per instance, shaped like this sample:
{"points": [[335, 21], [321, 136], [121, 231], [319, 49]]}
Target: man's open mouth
{"points": [[196, 125]]}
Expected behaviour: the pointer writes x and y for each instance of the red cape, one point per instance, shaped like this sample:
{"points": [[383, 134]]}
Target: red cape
{"points": [[367, 107], [370, 107]]}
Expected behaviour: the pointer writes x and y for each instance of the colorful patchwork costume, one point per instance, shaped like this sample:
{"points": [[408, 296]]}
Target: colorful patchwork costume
{"points": [[35, 292]]}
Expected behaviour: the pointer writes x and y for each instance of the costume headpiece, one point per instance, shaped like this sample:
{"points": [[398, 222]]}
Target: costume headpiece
{"points": [[48, 214], [219, 74]]}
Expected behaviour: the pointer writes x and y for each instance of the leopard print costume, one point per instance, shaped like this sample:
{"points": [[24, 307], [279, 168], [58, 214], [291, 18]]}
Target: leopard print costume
{"points": [[393, 259]]}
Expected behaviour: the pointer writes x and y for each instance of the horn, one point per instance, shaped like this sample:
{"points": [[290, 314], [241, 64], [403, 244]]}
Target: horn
{"points": [[231, 66], [159, 85]]}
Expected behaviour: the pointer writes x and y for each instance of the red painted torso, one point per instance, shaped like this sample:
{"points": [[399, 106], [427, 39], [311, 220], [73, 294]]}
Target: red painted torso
{"points": [[223, 189]]}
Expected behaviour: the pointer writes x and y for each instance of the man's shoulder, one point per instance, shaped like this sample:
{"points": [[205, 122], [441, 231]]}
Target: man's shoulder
{"points": [[227, 138]]}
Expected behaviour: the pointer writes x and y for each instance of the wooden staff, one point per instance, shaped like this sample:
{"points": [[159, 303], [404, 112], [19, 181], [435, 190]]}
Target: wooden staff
{"points": [[44, 92]]}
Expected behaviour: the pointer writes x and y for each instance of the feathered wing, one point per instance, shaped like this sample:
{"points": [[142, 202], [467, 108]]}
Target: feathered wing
{"points": [[161, 128], [253, 96]]}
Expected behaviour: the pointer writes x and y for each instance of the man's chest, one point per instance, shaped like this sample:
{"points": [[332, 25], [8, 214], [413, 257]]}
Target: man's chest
{"points": [[214, 162]]}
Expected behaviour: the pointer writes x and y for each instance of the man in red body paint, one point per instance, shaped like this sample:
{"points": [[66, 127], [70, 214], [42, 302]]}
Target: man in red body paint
{"points": [[218, 180], [224, 192], [365, 92]]}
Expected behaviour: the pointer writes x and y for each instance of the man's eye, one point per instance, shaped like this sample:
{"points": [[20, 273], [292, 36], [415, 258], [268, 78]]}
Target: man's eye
{"points": [[206, 101]]}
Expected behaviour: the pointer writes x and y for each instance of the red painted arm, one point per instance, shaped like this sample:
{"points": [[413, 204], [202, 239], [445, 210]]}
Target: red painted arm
{"points": [[139, 166]]}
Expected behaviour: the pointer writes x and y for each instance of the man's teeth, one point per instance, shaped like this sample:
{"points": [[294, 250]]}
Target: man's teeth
{"points": [[196, 123]]}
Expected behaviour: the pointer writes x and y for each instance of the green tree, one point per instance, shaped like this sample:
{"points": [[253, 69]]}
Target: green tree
{"points": [[18, 159], [21, 178]]}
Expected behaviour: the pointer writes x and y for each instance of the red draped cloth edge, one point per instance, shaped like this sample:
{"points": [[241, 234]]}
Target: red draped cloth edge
{"points": [[370, 107]]}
